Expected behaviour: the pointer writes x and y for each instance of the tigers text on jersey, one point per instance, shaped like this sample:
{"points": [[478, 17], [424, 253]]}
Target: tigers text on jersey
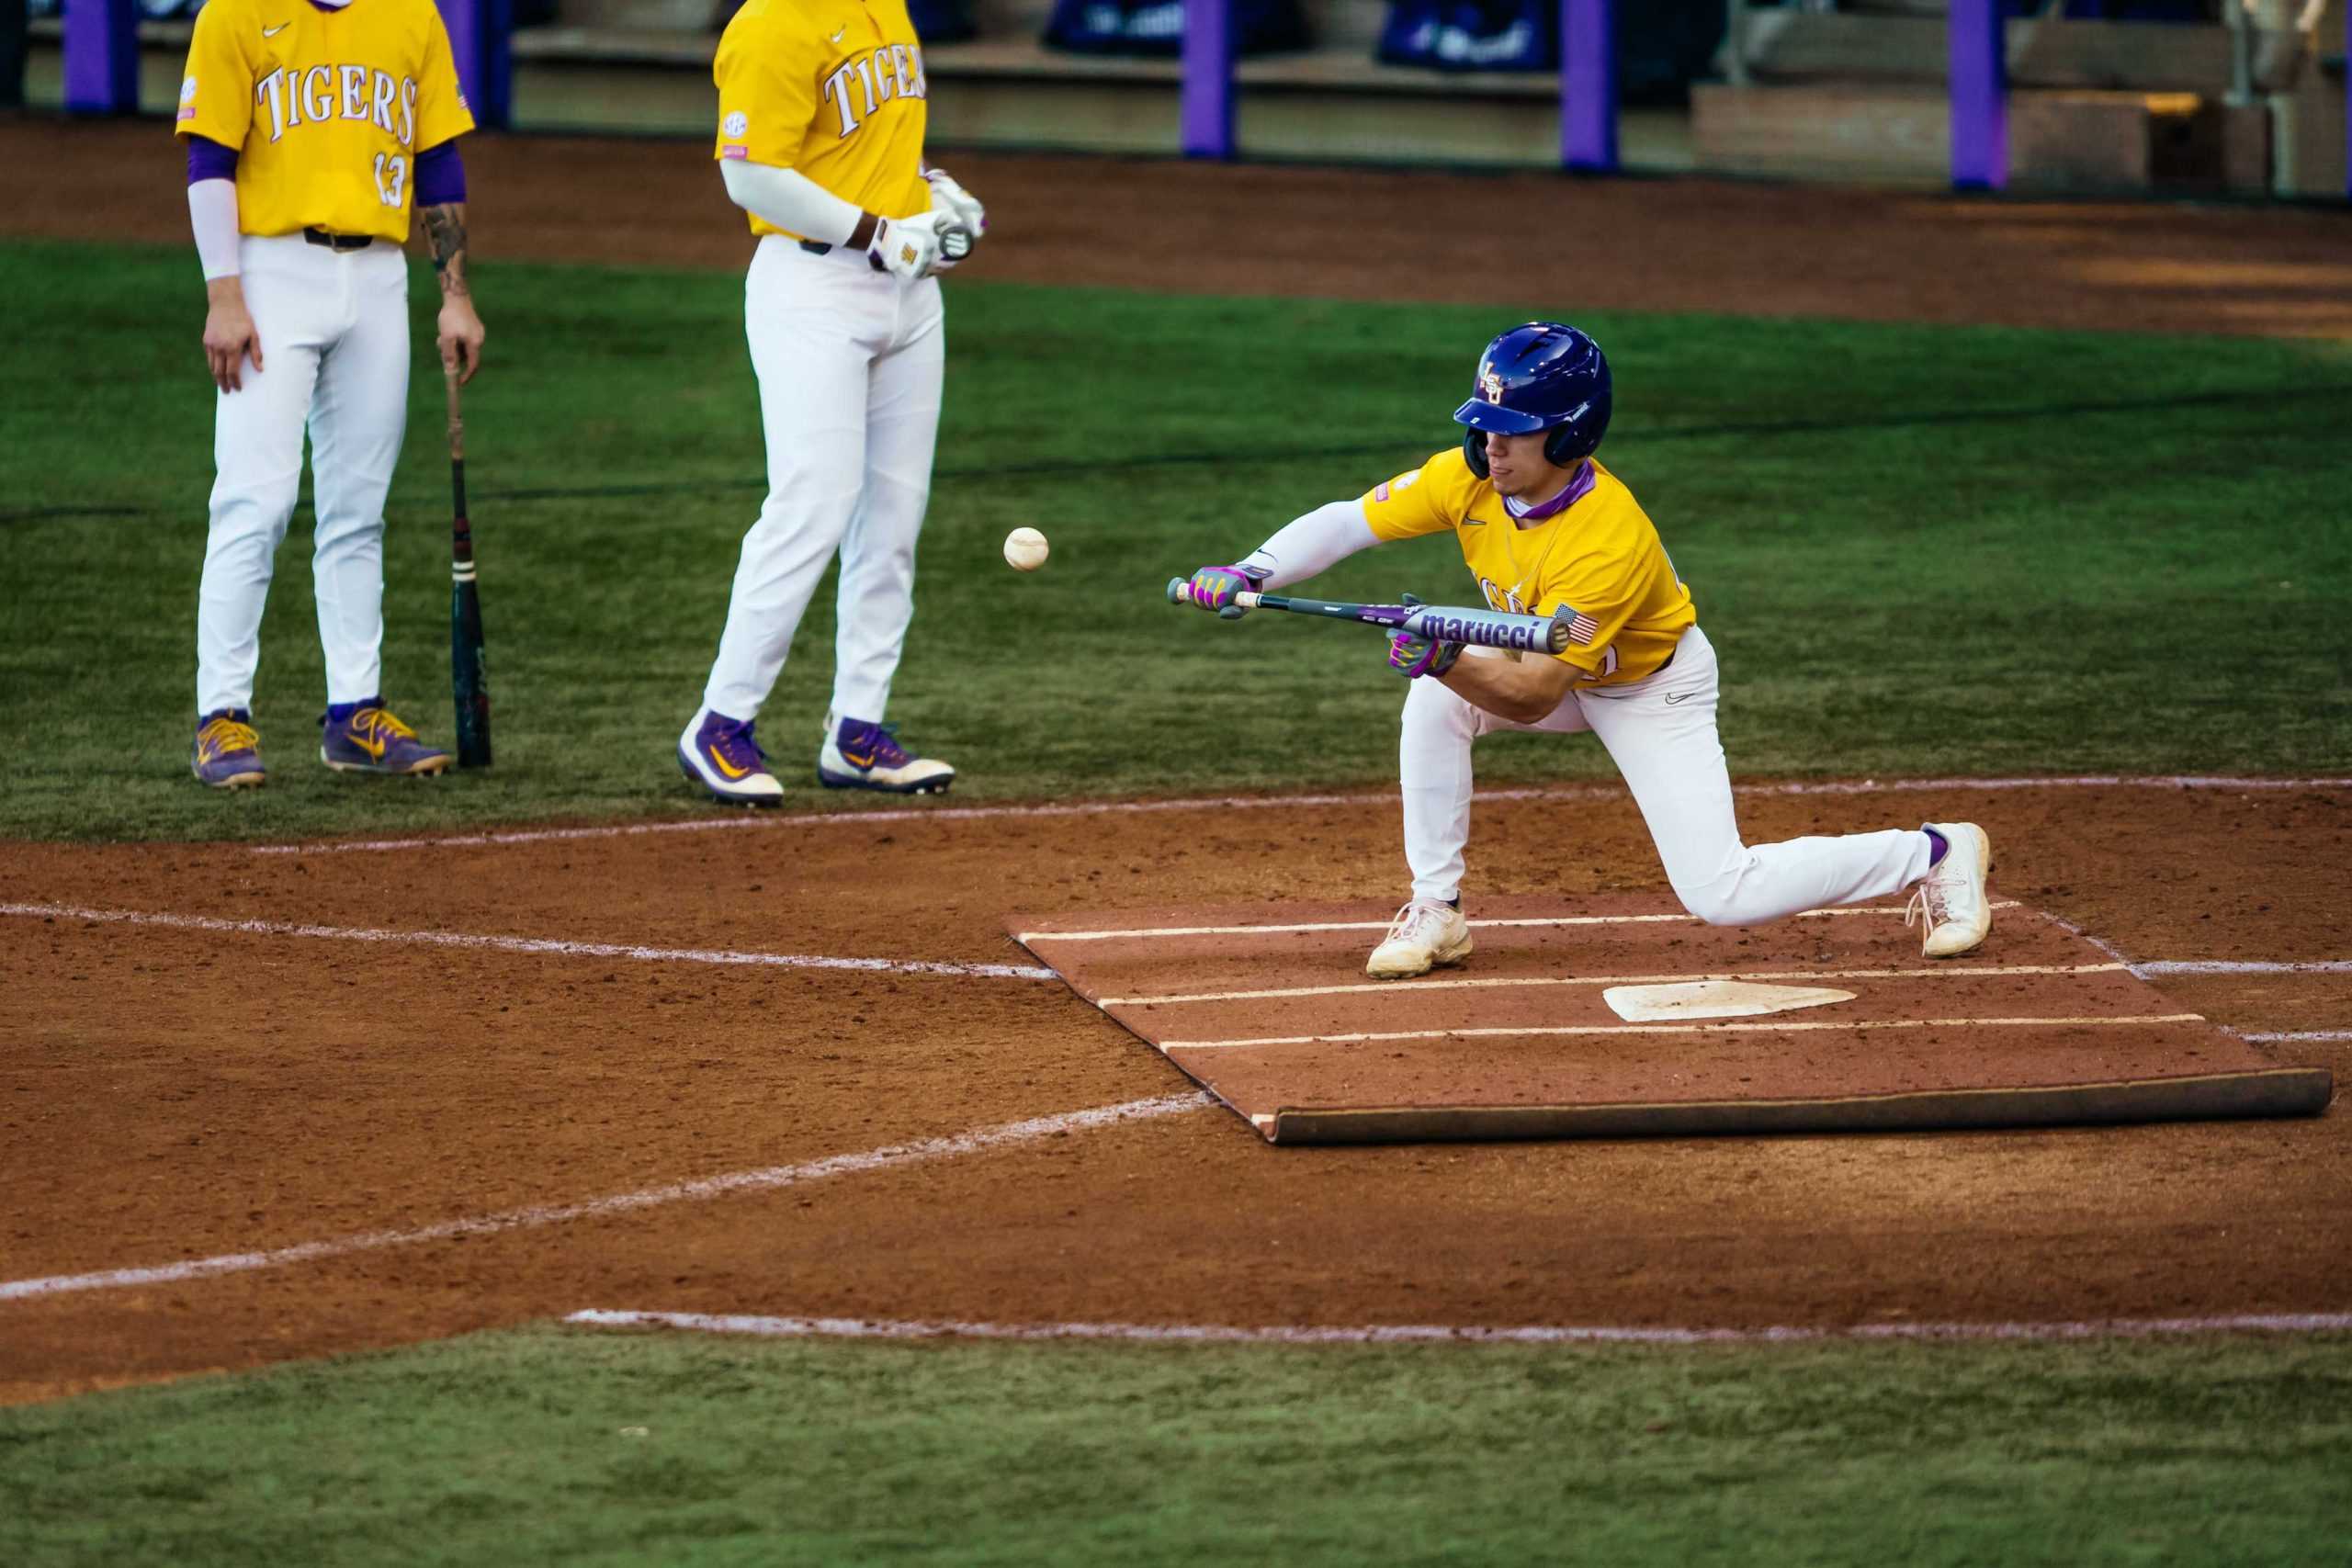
{"points": [[325, 110], [833, 88], [1600, 558]]}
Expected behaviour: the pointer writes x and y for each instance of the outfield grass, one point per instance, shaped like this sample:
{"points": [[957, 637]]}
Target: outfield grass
{"points": [[1919, 550], [584, 1448]]}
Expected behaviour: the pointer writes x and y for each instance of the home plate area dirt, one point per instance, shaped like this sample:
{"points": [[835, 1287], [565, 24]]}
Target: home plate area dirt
{"points": [[1272, 1012]]}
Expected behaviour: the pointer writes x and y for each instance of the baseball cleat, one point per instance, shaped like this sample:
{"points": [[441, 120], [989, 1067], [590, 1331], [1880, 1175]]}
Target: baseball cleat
{"points": [[1425, 934], [227, 754], [1950, 901], [374, 740], [719, 754], [858, 755]]}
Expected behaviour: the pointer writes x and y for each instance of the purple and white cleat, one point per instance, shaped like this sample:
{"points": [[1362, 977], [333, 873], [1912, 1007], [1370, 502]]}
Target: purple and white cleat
{"points": [[227, 754], [372, 740], [718, 753], [858, 755]]}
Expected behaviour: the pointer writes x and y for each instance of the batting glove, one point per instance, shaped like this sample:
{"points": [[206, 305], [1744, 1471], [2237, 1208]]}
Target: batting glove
{"points": [[1213, 588], [910, 248], [960, 206], [1413, 657]]}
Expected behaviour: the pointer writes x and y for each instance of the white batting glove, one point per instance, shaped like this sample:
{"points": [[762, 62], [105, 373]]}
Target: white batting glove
{"points": [[911, 248], [948, 196]]}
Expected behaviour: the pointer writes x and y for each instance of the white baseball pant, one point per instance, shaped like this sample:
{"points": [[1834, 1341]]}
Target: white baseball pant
{"points": [[333, 333], [850, 363], [1660, 731]]}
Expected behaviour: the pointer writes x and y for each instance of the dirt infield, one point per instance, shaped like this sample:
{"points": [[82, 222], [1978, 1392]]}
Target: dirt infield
{"points": [[516, 1030], [178, 1093]]}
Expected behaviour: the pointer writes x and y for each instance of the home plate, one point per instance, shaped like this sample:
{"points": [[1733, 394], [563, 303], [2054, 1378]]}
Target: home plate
{"points": [[1714, 998]]}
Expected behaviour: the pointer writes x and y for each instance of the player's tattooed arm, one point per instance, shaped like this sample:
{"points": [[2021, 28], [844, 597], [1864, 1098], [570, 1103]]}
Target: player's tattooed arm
{"points": [[445, 236], [461, 334]]}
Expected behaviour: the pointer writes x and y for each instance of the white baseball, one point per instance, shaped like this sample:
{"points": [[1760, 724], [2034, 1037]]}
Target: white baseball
{"points": [[1024, 549]]}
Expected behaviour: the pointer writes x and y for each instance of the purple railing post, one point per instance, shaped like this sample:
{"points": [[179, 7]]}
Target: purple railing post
{"points": [[1208, 79], [1588, 86], [101, 57], [1978, 82], [479, 46]]}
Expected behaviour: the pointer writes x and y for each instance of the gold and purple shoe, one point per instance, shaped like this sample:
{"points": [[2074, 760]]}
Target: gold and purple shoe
{"points": [[227, 754], [719, 754], [371, 740], [859, 755]]}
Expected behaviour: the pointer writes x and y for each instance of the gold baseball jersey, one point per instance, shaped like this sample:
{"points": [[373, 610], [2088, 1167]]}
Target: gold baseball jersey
{"points": [[1600, 558], [833, 88], [325, 110]]}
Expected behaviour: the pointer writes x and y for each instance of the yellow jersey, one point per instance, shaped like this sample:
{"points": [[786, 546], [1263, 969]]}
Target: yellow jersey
{"points": [[1600, 558], [326, 110], [833, 88]]}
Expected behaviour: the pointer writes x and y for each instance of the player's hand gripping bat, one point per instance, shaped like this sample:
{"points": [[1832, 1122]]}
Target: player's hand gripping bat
{"points": [[1440, 622], [468, 673]]}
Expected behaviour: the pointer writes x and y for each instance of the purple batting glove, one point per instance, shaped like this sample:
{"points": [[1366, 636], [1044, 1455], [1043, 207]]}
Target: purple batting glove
{"points": [[1413, 657], [1213, 588]]}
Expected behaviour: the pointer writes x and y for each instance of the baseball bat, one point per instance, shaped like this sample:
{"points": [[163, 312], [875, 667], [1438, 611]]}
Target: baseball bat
{"points": [[1445, 623], [468, 669]]}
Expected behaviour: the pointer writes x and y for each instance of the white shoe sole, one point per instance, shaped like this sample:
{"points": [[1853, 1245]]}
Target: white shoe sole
{"points": [[1406, 963]]}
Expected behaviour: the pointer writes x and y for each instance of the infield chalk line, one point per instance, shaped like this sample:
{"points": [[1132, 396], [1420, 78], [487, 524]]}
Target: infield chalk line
{"points": [[1266, 803], [1565, 1029], [987, 1138], [1026, 937], [2287, 1036], [1942, 972], [527, 944], [1391, 987], [1425, 1334]]}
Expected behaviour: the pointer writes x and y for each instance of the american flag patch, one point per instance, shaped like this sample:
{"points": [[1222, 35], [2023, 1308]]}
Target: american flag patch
{"points": [[1581, 626], [732, 150], [1380, 490], [187, 114]]}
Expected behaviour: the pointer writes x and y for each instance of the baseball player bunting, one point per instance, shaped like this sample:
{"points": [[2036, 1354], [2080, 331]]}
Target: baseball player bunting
{"points": [[1547, 530], [314, 127], [821, 111]]}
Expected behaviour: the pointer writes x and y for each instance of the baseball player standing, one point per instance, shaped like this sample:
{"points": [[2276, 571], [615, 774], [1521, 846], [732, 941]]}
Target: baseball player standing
{"points": [[311, 126], [821, 109], [1547, 530]]}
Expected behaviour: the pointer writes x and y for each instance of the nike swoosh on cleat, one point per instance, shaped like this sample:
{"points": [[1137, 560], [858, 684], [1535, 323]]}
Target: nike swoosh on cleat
{"points": [[722, 764]]}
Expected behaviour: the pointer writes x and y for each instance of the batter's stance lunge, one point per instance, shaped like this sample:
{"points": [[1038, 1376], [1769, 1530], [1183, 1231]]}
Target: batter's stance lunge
{"points": [[311, 126], [821, 106], [1547, 530]]}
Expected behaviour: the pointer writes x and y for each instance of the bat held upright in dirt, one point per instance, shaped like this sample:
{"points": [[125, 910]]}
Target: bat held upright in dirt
{"points": [[469, 669], [1446, 623]]}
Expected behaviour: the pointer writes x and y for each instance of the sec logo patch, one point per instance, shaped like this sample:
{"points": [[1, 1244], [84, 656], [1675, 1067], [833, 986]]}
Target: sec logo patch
{"points": [[736, 124], [188, 90]]}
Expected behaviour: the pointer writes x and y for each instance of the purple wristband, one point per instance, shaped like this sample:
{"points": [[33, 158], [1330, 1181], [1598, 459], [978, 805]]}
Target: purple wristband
{"points": [[208, 160], [440, 175]]}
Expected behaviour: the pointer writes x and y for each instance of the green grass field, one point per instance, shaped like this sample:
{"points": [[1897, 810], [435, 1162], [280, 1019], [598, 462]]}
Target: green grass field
{"points": [[1920, 550], [551, 1446]]}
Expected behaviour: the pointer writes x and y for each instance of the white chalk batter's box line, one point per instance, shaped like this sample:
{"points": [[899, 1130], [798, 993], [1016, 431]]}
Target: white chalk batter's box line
{"points": [[1557, 1030], [1941, 972], [1266, 803], [1439, 1334], [1006, 1135], [1142, 933]]}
